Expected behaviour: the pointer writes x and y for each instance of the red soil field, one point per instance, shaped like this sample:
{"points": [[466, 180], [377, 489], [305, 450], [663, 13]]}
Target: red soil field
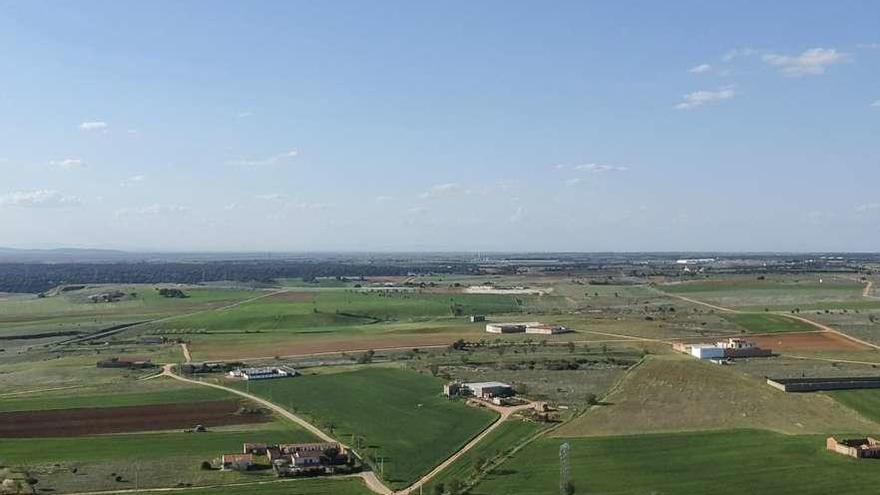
{"points": [[292, 297], [90, 421], [812, 341]]}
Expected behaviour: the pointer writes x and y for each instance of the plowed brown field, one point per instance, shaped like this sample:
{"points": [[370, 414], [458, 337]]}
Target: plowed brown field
{"points": [[89, 421]]}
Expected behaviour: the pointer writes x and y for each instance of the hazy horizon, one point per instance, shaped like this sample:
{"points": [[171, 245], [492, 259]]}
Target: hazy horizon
{"points": [[458, 127]]}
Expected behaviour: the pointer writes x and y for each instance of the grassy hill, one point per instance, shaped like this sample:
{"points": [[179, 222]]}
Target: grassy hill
{"points": [[675, 393], [723, 462]]}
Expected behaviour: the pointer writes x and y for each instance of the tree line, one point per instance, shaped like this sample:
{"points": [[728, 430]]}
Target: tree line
{"points": [[40, 277]]}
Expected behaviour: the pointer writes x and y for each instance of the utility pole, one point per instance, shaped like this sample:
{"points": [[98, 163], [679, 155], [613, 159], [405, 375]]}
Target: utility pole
{"points": [[564, 469]]}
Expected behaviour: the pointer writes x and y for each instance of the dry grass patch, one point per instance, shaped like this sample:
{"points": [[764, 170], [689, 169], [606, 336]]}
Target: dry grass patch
{"points": [[676, 393]]}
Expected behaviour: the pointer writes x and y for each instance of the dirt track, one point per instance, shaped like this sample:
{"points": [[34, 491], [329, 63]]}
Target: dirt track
{"points": [[92, 421]]}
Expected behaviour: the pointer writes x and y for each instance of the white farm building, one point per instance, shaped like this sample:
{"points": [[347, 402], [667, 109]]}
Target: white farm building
{"points": [[529, 327], [262, 373], [488, 390], [707, 351]]}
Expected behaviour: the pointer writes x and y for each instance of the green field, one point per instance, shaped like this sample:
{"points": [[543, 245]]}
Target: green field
{"points": [[315, 311], [768, 323], [167, 393], [401, 416], [674, 393], [494, 448], [776, 293], [726, 462], [866, 402], [150, 459], [304, 486]]}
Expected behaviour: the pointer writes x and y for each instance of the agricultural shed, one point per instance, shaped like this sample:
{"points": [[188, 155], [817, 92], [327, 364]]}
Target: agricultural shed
{"points": [[816, 384]]}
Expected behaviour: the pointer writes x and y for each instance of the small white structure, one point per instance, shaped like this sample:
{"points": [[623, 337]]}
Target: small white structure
{"points": [[526, 327], [546, 329], [489, 390], [261, 373], [707, 351], [506, 327]]}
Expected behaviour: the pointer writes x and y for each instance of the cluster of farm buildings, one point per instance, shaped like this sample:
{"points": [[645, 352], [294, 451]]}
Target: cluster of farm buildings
{"points": [[723, 349], [529, 327], [291, 459], [495, 392]]}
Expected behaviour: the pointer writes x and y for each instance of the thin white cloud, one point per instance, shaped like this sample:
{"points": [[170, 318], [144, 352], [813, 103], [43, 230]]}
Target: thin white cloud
{"points": [[812, 62], [869, 46], [271, 197], [231, 206], [418, 210], [272, 160], [573, 182], [244, 115], [699, 98], [700, 69], [307, 205], [153, 210], [68, 163], [444, 190], [134, 179], [738, 53], [384, 199], [867, 207], [876, 104], [93, 125], [597, 168], [40, 198]]}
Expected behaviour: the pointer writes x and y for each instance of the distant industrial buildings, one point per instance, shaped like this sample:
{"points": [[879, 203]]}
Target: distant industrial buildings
{"points": [[530, 327], [266, 373]]}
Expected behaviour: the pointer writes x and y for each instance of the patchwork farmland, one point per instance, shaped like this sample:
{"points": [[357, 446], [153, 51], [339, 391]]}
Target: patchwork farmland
{"points": [[372, 362]]}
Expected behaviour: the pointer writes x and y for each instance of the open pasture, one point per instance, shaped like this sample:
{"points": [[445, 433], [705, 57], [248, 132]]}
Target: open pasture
{"points": [[866, 402], [781, 293], [152, 392], [28, 319], [725, 462], [495, 448], [767, 323], [394, 415], [679, 393], [338, 309]]}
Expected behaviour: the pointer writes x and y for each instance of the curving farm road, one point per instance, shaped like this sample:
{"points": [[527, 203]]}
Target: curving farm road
{"points": [[370, 479]]}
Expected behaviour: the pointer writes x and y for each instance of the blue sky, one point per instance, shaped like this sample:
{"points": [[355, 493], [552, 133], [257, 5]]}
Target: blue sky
{"points": [[580, 126]]}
